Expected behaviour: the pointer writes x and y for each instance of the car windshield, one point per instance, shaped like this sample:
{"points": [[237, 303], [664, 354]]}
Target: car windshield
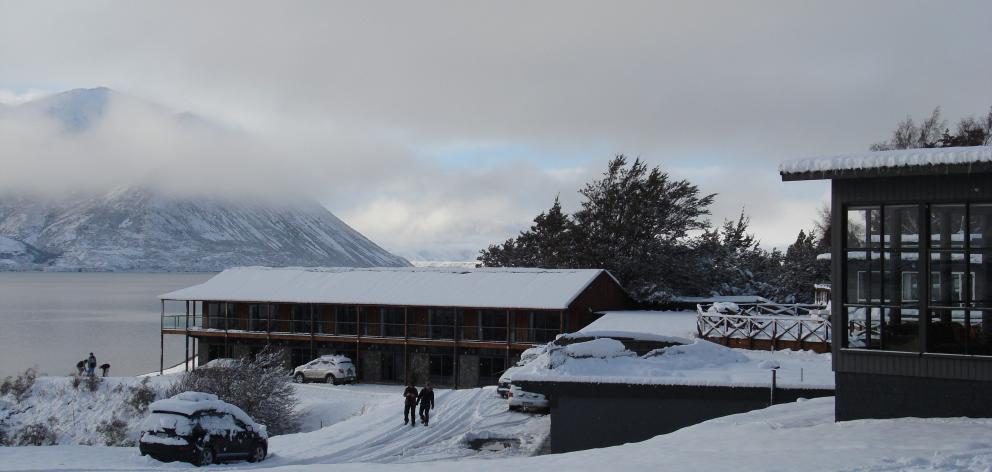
{"points": [[168, 423]]}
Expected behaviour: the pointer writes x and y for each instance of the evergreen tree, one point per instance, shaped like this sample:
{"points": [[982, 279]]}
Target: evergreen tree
{"points": [[801, 269]]}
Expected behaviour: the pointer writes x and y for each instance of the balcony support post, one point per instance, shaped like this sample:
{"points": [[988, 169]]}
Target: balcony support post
{"points": [[186, 355], [161, 340]]}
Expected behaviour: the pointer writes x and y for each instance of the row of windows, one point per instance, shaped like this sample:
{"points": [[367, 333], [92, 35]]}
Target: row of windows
{"points": [[905, 292], [441, 323]]}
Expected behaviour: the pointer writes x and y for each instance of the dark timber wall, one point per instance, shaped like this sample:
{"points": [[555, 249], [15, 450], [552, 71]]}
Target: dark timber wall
{"points": [[586, 416]]}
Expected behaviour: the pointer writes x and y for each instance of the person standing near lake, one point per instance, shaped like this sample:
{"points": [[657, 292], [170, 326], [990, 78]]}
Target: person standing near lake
{"points": [[426, 399], [91, 365], [410, 404]]}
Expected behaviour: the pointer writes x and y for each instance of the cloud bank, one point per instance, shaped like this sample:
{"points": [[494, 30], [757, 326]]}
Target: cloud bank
{"points": [[444, 125]]}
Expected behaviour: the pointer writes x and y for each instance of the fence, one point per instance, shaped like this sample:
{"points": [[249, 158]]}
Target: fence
{"points": [[766, 326]]}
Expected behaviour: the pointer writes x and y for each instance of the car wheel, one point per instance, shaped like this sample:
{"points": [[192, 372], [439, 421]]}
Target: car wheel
{"points": [[257, 454], [299, 378], [205, 456], [330, 379]]}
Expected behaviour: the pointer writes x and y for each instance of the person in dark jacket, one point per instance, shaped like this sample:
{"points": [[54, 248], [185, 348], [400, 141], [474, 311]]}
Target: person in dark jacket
{"points": [[410, 408], [81, 367], [91, 365], [426, 400], [105, 368]]}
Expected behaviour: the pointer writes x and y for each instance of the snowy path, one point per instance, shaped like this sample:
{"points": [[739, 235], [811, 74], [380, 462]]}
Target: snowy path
{"points": [[379, 434]]}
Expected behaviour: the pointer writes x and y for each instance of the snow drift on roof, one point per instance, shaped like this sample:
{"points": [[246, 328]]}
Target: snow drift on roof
{"points": [[889, 159], [666, 326], [551, 289]]}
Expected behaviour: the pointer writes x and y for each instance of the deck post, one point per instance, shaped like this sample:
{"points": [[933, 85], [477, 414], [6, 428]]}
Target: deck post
{"points": [[161, 340], [506, 363], [406, 343], [227, 353], [454, 347], [311, 333], [186, 355]]}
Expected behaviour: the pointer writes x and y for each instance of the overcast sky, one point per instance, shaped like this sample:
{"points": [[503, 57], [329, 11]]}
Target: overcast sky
{"points": [[446, 126]]}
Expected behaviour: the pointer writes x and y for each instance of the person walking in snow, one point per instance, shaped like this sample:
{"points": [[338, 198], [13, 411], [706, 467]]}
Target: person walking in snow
{"points": [[91, 365], [426, 399], [81, 367], [410, 407]]}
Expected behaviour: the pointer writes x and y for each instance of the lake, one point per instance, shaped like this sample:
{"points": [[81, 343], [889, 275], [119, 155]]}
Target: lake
{"points": [[51, 321]]}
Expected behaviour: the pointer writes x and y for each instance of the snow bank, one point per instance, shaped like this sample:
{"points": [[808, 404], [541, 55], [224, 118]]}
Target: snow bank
{"points": [[889, 159]]}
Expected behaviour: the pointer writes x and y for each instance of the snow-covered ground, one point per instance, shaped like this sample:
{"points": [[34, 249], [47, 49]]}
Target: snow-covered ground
{"points": [[790, 437], [353, 423]]}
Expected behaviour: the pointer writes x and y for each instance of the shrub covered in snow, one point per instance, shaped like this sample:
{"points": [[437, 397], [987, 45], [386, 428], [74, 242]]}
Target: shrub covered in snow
{"points": [[37, 434], [20, 386], [115, 432], [260, 386], [140, 396]]}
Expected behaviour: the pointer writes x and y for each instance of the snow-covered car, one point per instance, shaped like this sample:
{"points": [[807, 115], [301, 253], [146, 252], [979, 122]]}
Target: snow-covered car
{"points": [[521, 400], [505, 380], [200, 429], [335, 369]]}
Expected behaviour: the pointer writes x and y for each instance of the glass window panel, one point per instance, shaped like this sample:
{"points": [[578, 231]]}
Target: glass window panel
{"points": [[947, 270], [981, 277], [980, 229], [857, 327], [902, 277], [901, 226], [857, 277], [980, 332], [901, 331], [862, 227], [947, 332], [947, 226]]}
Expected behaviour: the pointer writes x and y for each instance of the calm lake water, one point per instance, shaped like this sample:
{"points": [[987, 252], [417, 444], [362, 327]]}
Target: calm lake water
{"points": [[53, 320]]}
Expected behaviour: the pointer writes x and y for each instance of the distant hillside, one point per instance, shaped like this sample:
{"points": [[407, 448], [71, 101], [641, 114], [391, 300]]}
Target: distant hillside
{"points": [[135, 229]]}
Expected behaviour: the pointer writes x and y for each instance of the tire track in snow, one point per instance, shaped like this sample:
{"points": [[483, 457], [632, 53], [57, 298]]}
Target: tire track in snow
{"points": [[379, 435]]}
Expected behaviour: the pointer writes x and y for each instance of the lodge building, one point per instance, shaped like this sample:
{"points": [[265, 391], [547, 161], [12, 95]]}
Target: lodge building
{"points": [[911, 254], [454, 327]]}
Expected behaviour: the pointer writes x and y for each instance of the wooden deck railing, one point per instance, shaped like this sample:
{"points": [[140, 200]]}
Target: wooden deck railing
{"points": [[767, 326]]}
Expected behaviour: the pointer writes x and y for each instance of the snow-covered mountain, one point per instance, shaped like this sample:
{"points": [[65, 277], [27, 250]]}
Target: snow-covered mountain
{"points": [[138, 229]]}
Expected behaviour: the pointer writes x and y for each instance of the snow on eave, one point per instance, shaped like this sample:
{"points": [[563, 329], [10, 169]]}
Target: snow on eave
{"points": [[500, 288], [932, 159]]}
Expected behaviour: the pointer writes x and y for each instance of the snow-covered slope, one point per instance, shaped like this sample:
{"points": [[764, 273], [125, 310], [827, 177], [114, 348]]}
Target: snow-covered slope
{"points": [[138, 229]]}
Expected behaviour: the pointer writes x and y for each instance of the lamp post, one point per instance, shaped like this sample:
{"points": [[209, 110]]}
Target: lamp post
{"points": [[772, 366]]}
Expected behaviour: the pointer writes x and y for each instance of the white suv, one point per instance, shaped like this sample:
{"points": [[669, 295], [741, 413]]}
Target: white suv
{"points": [[334, 369]]}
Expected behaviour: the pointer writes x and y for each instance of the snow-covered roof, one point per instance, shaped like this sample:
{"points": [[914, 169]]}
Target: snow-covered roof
{"points": [[698, 363], [673, 326], [934, 159], [551, 289]]}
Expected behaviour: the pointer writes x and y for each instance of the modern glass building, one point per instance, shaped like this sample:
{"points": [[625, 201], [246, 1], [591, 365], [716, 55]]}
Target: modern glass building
{"points": [[912, 277]]}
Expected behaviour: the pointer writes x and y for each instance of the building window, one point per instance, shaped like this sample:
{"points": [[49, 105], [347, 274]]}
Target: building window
{"points": [[886, 253], [490, 369], [492, 325], [441, 323], [545, 325], [346, 320], [393, 320], [258, 317]]}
